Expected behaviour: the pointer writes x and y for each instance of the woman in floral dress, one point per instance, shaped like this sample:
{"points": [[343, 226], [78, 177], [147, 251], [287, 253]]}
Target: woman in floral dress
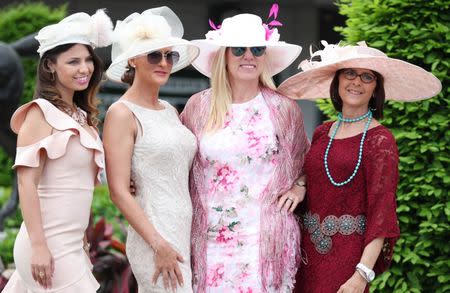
{"points": [[251, 148]]}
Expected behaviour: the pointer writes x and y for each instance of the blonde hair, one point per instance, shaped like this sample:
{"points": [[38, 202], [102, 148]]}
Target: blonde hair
{"points": [[221, 98]]}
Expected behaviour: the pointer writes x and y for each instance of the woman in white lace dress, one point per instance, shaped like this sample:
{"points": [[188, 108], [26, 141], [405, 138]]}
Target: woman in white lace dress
{"points": [[145, 142]]}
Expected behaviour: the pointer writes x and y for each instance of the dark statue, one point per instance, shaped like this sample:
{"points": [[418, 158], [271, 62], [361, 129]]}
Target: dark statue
{"points": [[11, 87]]}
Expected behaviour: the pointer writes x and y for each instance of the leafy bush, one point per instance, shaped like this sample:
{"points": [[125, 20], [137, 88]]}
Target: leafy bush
{"points": [[111, 267], [17, 21], [102, 206], [419, 32], [12, 225]]}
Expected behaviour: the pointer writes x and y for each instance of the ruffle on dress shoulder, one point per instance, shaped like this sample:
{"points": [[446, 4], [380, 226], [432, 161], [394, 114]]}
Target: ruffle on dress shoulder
{"points": [[87, 284], [55, 144]]}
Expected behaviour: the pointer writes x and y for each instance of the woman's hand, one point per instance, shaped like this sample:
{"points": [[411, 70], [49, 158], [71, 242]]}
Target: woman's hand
{"points": [[166, 263], [356, 284], [42, 265], [289, 201]]}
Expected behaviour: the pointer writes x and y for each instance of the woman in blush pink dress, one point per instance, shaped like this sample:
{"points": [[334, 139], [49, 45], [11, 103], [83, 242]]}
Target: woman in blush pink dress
{"points": [[59, 158]]}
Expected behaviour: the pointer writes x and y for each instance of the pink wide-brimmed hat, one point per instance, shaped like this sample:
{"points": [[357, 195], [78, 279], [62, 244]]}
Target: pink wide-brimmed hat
{"points": [[246, 30], [403, 81]]}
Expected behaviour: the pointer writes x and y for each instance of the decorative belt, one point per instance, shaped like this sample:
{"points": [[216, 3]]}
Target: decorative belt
{"points": [[320, 233]]}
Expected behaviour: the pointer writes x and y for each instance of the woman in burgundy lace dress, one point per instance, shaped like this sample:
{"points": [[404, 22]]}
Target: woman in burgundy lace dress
{"points": [[349, 225]]}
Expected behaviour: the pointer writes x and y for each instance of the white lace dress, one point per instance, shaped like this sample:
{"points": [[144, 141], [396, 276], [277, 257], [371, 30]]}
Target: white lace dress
{"points": [[162, 158]]}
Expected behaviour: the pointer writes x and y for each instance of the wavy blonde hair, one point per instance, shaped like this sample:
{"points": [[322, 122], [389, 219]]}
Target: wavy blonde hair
{"points": [[221, 94]]}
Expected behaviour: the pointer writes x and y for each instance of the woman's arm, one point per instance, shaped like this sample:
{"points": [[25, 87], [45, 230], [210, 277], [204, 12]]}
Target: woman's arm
{"points": [[381, 175], [357, 283], [297, 144], [118, 138], [33, 129]]}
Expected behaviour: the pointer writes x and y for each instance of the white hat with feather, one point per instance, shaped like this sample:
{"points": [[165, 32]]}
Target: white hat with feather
{"points": [[78, 28]]}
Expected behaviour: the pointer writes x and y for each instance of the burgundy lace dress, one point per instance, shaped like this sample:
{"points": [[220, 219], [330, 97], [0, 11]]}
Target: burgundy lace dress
{"points": [[338, 222]]}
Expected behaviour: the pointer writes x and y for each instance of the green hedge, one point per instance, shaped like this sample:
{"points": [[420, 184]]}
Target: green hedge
{"points": [[17, 21], [417, 31]]}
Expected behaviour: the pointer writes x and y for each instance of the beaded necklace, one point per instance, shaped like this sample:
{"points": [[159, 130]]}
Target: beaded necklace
{"points": [[341, 119]]}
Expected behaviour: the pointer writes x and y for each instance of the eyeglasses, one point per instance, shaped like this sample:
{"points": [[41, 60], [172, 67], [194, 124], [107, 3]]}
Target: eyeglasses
{"points": [[256, 51], [365, 77], [155, 57]]}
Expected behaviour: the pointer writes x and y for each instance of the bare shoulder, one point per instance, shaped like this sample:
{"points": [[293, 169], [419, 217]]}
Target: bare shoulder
{"points": [[34, 127], [118, 111], [119, 121]]}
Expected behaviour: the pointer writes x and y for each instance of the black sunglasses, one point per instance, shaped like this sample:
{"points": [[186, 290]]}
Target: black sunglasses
{"points": [[365, 77], [256, 51], [155, 57]]}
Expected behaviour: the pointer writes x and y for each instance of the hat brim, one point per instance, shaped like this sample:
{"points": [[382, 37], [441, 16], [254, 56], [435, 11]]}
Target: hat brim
{"points": [[280, 54], [188, 52], [403, 81]]}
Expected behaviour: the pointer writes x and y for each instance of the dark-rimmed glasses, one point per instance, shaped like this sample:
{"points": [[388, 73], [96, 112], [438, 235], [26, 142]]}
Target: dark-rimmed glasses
{"points": [[256, 51], [171, 57], [365, 77]]}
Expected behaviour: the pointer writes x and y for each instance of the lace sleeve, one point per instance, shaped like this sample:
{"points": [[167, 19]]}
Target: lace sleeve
{"points": [[381, 173]]}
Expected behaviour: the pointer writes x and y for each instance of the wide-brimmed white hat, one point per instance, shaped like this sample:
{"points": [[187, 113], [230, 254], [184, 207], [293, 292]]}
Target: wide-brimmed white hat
{"points": [[78, 28], [246, 30], [149, 31], [403, 81]]}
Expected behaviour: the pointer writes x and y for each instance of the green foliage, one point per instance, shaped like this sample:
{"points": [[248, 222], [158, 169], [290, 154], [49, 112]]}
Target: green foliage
{"points": [[7, 246], [419, 32], [6, 173], [17, 21], [12, 225], [102, 206]]}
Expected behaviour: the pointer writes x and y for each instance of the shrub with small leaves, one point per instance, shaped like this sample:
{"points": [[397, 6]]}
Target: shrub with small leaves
{"points": [[416, 31]]}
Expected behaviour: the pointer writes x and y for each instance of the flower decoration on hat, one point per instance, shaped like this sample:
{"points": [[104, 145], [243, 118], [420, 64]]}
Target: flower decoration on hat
{"points": [[271, 32], [137, 27], [215, 33], [329, 54], [101, 29], [95, 30]]}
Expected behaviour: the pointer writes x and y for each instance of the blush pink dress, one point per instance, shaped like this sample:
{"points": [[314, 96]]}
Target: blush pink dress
{"points": [[72, 168]]}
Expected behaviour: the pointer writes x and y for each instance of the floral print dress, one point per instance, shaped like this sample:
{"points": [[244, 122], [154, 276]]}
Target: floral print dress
{"points": [[241, 159]]}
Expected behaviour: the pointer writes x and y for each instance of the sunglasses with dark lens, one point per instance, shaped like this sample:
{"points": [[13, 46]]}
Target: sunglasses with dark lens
{"points": [[155, 57], [256, 51], [365, 77]]}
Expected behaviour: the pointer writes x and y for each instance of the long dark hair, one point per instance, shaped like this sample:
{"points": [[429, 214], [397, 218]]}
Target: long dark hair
{"points": [[376, 103], [85, 99]]}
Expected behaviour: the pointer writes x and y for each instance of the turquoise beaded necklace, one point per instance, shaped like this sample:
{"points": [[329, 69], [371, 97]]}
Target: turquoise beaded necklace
{"points": [[341, 119]]}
